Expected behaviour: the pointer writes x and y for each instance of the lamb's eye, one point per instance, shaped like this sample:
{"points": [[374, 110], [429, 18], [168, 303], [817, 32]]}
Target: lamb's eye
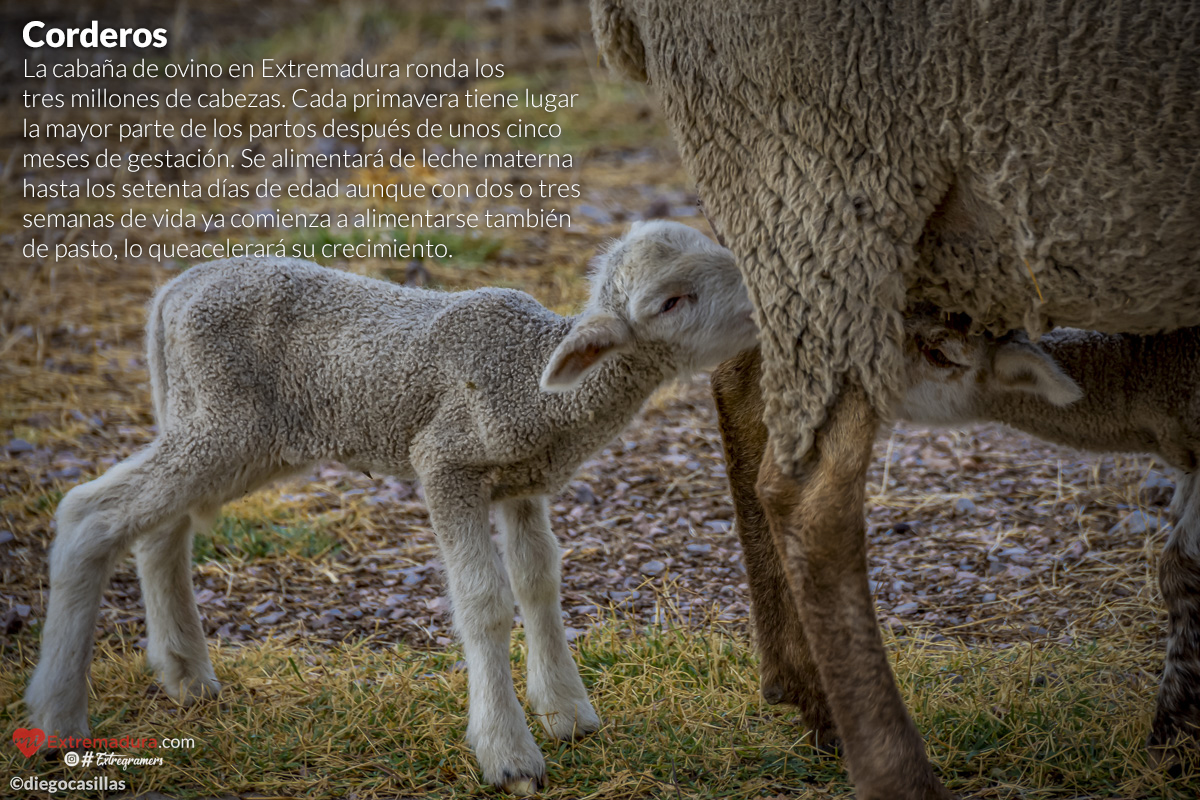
{"points": [[671, 303], [938, 359]]}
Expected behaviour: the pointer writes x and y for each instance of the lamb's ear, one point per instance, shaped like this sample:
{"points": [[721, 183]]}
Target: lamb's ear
{"points": [[1025, 367], [592, 339]]}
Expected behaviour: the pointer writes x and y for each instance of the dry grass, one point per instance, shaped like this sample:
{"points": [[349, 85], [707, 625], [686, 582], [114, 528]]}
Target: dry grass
{"points": [[682, 714]]}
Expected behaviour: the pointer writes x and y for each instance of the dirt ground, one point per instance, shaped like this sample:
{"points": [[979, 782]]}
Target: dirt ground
{"points": [[981, 535]]}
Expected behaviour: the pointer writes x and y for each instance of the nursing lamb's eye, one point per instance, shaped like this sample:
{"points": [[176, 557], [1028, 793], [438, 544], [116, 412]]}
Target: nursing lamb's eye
{"points": [[671, 303]]}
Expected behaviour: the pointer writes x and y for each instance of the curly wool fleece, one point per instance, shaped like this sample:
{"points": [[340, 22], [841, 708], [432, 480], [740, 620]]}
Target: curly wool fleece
{"points": [[1030, 164]]}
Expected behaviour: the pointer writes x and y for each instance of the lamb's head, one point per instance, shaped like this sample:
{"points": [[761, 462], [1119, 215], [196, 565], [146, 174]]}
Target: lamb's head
{"points": [[952, 373], [662, 283]]}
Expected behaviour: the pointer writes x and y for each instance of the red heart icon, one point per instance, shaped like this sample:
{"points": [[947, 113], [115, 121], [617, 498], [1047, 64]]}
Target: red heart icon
{"points": [[28, 740]]}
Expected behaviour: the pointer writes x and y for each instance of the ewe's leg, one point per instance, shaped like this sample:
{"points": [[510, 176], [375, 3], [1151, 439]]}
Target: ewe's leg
{"points": [[483, 616], [97, 521], [177, 650], [820, 529], [1177, 711], [787, 670], [532, 557]]}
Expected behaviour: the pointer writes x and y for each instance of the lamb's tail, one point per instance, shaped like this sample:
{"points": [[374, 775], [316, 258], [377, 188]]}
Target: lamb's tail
{"points": [[156, 356]]}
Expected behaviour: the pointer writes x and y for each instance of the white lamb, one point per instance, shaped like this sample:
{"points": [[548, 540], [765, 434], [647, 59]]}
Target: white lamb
{"points": [[261, 367]]}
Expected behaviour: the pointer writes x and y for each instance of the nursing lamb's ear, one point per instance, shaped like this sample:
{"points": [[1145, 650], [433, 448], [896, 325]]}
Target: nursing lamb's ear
{"points": [[1024, 367], [593, 338]]}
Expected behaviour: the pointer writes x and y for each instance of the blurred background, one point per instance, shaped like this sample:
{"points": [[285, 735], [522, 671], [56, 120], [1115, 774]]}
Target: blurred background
{"points": [[1002, 566]]}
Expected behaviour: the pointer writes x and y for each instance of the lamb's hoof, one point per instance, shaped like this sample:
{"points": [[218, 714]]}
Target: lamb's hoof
{"points": [[511, 761], [1172, 750], [778, 693], [575, 724], [187, 691], [524, 785]]}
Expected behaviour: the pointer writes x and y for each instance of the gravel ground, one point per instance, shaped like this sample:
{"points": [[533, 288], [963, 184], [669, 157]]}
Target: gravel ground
{"points": [[983, 536]]}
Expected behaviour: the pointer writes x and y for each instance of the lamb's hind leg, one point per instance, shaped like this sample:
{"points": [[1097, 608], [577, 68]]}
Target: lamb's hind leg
{"points": [[177, 650], [532, 557], [786, 668], [483, 616], [97, 522], [1177, 710]]}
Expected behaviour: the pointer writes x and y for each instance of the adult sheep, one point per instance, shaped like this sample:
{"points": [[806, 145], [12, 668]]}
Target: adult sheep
{"points": [[1028, 164]]}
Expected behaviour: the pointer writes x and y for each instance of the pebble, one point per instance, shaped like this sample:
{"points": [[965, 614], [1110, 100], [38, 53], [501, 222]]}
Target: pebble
{"points": [[16, 446], [699, 548], [595, 214], [1157, 489], [964, 506], [1018, 572], [652, 568], [990, 597], [1135, 523], [6, 537], [585, 495], [906, 608]]}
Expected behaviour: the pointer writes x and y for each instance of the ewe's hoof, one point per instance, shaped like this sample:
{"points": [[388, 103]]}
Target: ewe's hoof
{"points": [[524, 785]]}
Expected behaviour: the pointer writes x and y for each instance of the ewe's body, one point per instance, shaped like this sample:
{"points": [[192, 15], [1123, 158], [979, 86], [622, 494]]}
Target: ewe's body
{"points": [[263, 367], [1029, 164]]}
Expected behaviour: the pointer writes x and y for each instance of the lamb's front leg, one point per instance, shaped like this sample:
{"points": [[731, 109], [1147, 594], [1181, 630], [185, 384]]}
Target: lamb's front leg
{"points": [[532, 556], [483, 616]]}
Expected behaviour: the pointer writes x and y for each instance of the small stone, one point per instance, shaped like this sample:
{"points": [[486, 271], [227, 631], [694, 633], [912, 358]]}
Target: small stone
{"points": [[598, 215], [1018, 572], [585, 495], [17, 446], [394, 600], [964, 506], [895, 625], [698, 549], [6, 537], [1135, 523], [652, 568], [718, 525], [906, 608], [1157, 490], [270, 619], [583, 610], [1038, 630]]}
